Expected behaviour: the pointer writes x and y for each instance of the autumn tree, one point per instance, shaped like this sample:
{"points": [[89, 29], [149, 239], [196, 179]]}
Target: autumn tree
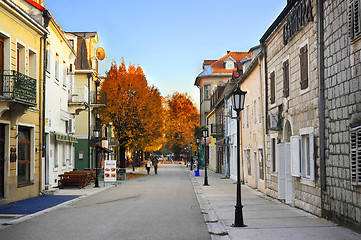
{"points": [[133, 107], [182, 117]]}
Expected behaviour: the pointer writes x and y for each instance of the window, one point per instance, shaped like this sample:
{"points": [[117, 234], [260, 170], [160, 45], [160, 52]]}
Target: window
{"points": [[354, 20], [229, 65], [32, 64], [20, 58], [255, 111], [286, 84], [56, 153], [259, 109], [355, 155], [260, 164], [57, 67], [248, 159], [302, 156], [48, 58], [247, 116], [273, 87], [207, 91], [273, 152], [304, 67], [71, 42], [24, 156], [64, 74]]}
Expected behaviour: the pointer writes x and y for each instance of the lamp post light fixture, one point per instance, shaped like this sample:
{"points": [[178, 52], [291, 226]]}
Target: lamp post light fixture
{"points": [[238, 97], [191, 150], [205, 135], [96, 133]]}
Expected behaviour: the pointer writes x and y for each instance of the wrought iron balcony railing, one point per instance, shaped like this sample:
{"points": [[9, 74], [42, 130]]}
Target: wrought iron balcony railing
{"points": [[98, 99], [16, 86]]}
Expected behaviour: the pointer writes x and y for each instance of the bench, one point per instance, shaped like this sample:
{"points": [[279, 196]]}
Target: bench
{"points": [[79, 180]]}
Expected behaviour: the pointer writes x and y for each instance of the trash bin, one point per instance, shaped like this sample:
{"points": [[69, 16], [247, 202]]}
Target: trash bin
{"points": [[196, 172]]}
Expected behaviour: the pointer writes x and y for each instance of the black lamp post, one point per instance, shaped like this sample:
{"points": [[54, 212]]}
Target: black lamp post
{"points": [[238, 98], [96, 132], [205, 135], [191, 150]]}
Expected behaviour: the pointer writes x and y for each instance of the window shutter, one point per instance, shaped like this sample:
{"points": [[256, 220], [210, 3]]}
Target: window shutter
{"points": [[273, 84], [312, 156], [295, 156], [355, 157], [304, 67], [281, 168], [286, 87], [351, 19]]}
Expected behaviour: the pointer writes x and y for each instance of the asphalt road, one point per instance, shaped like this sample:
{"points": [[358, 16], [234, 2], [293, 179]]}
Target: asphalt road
{"points": [[161, 206]]}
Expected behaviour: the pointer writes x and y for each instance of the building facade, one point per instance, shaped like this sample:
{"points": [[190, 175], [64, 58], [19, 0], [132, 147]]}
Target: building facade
{"points": [[342, 82], [59, 122], [292, 107], [21, 55]]}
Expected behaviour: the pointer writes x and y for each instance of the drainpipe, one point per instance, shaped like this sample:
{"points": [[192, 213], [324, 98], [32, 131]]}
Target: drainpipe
{"points": [[46, 16], [321, 94]]}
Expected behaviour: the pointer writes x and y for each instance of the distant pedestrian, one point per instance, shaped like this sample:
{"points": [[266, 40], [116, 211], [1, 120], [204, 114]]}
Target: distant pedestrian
{"points": [[147, 166], [155, 163]]}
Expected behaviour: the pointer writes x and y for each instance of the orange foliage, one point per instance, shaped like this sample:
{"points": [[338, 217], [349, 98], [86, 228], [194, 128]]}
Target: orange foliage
{"points": [[134, 108], [182, 117]]}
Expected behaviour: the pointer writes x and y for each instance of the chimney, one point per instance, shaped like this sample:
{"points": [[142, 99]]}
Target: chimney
{"points": [[228, 52]]}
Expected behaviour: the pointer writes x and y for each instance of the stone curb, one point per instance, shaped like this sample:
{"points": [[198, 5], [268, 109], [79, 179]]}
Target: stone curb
{"points": [[215, 227]]}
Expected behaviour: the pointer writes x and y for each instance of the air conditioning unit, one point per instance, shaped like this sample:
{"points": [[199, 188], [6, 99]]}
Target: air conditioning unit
{"points": [[274, 121], [71, 125]]}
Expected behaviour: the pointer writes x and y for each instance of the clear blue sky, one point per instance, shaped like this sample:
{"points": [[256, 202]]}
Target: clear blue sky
{"points": [[169, 39]]}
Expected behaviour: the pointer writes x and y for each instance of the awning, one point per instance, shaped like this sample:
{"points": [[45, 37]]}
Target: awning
{"points": [[66, 138]]}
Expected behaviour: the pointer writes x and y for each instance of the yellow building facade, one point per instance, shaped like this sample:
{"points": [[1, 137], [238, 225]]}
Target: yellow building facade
{"points": [[21, 54]]}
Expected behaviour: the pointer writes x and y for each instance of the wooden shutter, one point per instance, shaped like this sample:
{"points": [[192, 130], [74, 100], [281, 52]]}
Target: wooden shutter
{"points": [[355, 156], [295, 156], [281, 168], [354, 18], [304, 67], [273, 84], [312, 156], [286, 85]]}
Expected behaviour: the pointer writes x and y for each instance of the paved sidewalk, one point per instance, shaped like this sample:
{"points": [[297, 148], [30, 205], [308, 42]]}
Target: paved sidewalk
{"points": [[265, 217]]}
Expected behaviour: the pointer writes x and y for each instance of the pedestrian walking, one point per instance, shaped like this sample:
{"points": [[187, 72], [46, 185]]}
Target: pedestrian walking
{"points": [[147, 165], [155, 163]]}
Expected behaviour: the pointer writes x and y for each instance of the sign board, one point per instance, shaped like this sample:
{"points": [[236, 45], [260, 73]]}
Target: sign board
{"points": [[110, 174]]}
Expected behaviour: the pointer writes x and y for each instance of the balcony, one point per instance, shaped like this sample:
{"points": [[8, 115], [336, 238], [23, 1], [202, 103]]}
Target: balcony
{"points": [[78, 98], [217, 131], [17, 87], [98, 100]]}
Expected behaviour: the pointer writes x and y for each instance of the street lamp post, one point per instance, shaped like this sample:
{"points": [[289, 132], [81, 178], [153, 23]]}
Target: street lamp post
{"points": [[205, 135], [238, 98], [96, 135], [191, 144]]}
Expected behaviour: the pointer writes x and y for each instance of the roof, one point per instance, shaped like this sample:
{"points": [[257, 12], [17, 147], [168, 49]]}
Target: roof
{"points": [[216, 67]]}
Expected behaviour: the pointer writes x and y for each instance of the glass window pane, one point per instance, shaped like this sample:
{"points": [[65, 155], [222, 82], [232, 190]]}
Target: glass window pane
{"points": [[23, 173]]}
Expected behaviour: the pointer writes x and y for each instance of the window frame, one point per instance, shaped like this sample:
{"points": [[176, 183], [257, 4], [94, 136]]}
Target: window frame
{"points": [[28, 143]]}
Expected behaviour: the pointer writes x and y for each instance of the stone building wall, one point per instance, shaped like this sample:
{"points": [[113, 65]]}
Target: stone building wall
{"points": [[343, 109], [299, 111]]}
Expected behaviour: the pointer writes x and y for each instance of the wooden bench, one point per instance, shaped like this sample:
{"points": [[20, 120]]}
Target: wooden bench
{"points": [[79, 180], [90, 174]]}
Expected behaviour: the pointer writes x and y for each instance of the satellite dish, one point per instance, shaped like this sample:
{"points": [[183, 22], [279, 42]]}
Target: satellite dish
{"points": [[100, 53]]}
